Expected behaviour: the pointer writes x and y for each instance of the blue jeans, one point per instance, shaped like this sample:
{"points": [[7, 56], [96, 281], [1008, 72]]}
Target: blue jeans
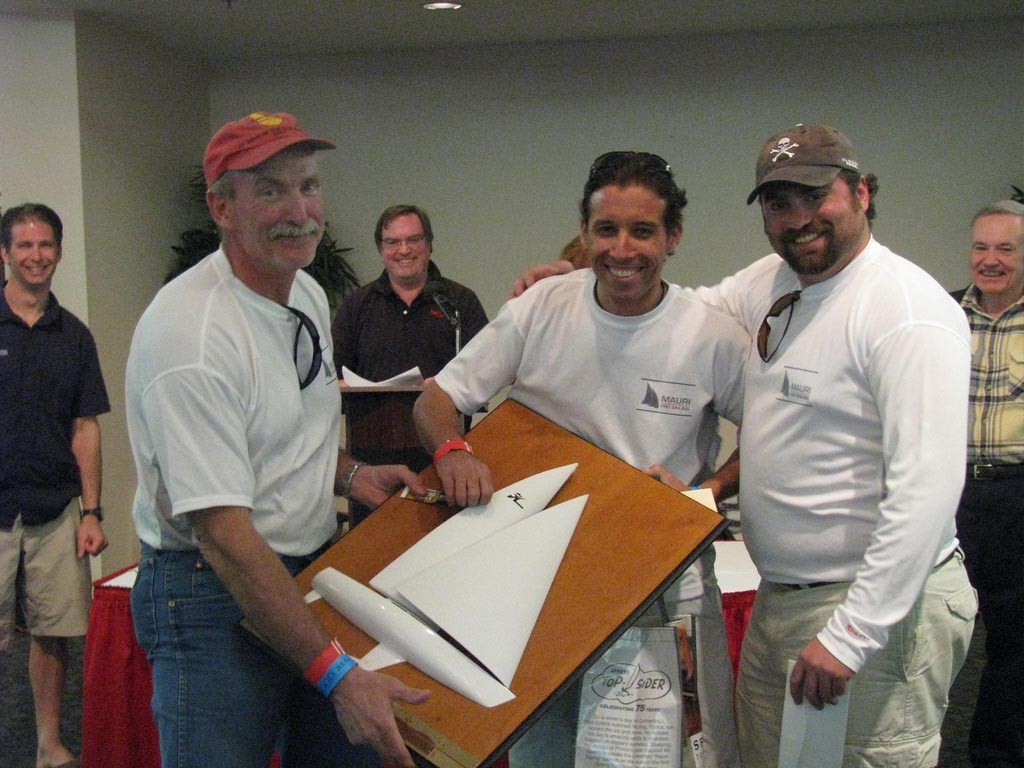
{"points": [[220, 699]]}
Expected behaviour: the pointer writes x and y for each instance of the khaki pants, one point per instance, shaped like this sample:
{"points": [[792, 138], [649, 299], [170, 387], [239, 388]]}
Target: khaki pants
{"points": [[897, 700]]}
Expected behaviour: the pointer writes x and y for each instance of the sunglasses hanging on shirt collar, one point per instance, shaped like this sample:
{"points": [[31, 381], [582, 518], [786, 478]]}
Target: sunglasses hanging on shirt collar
{"points": [[306, 351]]}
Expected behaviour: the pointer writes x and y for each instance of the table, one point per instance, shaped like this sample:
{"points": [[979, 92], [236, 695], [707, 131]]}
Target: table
{"points": [[117, 723], [738, 580]]}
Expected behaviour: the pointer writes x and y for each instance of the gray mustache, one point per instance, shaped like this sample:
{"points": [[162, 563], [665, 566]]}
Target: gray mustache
{"points": [[293, 230]]}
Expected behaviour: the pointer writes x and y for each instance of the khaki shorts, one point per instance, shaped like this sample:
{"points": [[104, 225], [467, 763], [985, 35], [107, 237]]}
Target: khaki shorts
{"points": [[58, 590]]}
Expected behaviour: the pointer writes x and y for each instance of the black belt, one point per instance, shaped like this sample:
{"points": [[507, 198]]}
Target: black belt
{"points": [[812, 585], [816, 584], [994, 471]]}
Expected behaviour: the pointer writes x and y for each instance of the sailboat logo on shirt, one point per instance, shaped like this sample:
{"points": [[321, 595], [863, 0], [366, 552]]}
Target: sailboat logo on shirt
{"points": [[650, 397], [793, 389], [671, 398]]}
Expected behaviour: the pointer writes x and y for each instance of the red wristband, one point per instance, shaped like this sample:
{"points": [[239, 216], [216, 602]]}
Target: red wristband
{"points": [[455, 444], [322, 663]]}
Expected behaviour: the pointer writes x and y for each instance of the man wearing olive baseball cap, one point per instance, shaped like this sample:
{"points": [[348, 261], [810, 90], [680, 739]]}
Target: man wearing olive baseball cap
{"points": [[234, 415], [812, 155], [852, 468]]}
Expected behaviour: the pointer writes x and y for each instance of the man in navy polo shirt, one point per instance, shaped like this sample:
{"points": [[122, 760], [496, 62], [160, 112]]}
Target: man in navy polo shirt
{"points": [[52, 391]]}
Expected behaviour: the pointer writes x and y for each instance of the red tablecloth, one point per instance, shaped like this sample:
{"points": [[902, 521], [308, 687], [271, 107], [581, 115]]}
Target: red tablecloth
{"points": [[117, 723], [737, 607]]}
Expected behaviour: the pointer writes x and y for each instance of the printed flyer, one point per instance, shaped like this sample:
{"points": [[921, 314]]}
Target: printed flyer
{"points": [[631, 711]]}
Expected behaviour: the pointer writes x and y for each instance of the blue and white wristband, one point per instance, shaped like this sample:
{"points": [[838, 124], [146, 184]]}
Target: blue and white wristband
{"points": [[335, 674]]}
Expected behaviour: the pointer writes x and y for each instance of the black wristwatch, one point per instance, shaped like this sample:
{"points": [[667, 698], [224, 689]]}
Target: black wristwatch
{"points": [[96, 511]]}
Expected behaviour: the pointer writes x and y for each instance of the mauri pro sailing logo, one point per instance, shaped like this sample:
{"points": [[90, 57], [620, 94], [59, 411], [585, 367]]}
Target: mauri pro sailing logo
{"points": [[796, 386], [671, 398]]}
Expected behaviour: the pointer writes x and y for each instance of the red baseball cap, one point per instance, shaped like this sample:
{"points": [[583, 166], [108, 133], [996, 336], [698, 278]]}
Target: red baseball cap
{"points": [[246, 143]]}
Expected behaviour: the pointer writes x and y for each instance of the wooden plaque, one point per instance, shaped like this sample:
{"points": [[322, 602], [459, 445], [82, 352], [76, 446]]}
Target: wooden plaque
{"points": [[634, 538]]}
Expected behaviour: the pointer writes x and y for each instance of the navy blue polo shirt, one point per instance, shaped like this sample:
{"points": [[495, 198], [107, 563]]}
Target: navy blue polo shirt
{"points": [[49, 376]]}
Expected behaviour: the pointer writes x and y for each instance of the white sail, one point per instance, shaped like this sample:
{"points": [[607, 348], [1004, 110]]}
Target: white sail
{"points": [[482, 576], [507, 506], [488, 596]]}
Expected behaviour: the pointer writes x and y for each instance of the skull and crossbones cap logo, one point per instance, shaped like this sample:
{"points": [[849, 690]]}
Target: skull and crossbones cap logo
{"points": [[811, 154]]}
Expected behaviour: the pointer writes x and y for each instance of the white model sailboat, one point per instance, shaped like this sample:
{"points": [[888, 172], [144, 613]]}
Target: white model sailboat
{"points": [[481, 577]]}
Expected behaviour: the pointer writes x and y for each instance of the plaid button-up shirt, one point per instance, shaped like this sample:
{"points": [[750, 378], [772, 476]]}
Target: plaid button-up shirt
{"points": [[996, 426]]}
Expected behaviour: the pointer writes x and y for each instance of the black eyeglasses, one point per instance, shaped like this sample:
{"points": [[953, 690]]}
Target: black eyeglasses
{"points": [[646, 160], [310, 353], [769, 332]]}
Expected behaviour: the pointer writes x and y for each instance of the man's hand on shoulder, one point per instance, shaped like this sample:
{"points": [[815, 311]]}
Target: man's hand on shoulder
{"points": [[539, 272], [364, 701]]}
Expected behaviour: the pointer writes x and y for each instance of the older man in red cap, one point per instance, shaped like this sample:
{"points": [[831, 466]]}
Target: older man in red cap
{"points": [[233, 413]]}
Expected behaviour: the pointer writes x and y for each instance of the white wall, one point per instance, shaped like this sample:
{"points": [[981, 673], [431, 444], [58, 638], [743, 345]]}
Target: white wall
{"points": [[105, 127], [40, 158], [143, 114], [495, 142]]}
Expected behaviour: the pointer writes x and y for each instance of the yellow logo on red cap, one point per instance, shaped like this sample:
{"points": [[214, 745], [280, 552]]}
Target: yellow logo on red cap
{"points": [[264, 119]]}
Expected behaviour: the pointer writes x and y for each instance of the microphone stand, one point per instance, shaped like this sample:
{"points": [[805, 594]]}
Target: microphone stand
{"points": [[452, 315]]}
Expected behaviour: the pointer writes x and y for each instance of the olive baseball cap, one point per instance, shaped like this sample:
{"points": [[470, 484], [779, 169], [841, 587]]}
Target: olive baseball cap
{"points": [[812, 155]]}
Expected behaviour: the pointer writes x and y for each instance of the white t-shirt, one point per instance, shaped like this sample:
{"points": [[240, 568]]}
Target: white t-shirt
{"points": [[648, 389], [216, 417], [854, 446]]}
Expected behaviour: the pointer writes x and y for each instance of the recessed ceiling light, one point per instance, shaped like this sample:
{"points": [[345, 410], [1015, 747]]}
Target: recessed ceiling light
{"points": [[442, 6]]}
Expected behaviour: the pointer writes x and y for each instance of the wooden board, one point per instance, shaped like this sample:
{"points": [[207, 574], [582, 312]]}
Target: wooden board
{"points": [[634, 538]]}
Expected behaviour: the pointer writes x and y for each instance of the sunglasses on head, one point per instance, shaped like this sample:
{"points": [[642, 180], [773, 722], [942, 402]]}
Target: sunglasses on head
{"points": [[646, 161]]}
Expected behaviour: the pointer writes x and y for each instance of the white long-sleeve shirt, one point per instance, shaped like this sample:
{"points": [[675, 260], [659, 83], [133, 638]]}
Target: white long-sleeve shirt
{"points": [[853, 447]]}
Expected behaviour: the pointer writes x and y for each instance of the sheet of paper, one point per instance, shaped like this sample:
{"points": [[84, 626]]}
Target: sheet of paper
{"points": [[410, 377], [702, 496], [812, 738], [734, 569]]}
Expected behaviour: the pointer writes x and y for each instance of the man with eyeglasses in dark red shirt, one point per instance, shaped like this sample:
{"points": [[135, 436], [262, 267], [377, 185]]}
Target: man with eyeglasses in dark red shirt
{"points": [[411, 316]]}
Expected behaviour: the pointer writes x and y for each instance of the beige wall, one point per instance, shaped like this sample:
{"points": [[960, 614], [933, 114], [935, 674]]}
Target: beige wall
{"points": [[495, 142], [105, 127], [40, 156], [143, 128]]}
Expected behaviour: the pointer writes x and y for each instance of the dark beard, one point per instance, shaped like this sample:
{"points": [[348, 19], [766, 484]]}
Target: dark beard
{"points": [[815, 265]]}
